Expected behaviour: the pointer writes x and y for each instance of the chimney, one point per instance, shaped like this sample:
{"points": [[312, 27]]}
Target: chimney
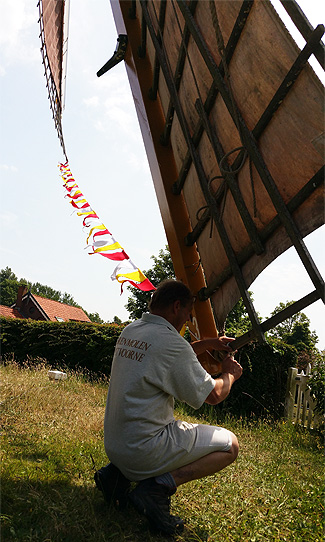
{"points": [[22, 290]]}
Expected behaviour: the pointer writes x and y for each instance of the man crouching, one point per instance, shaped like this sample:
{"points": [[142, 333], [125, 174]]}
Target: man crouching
{"points": [[152, 365]]}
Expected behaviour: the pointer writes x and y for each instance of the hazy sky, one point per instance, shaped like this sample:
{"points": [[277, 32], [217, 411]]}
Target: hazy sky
{"points": [[41, 240]]}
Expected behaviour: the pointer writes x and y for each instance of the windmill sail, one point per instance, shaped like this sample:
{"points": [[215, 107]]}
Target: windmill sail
{"points": [[232, 117], [233, 124], [53, 19]]}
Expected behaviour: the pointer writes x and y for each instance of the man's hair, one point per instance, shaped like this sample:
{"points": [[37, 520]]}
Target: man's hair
{"points": [[168, 292]]}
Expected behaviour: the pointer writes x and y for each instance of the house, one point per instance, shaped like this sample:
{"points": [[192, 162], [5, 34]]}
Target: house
{"points": [[32, 306], [9, 312]]}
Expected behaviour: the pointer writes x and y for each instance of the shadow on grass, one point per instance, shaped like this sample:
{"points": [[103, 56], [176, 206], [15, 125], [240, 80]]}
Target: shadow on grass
{"points": [[63, 512]]}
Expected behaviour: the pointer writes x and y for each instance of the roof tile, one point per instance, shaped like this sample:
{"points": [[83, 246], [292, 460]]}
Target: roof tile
{"points": [[55, 310], [10, 312]]}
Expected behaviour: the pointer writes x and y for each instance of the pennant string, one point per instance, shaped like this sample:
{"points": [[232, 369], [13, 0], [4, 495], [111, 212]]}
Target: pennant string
{"points": [[106, 246]]}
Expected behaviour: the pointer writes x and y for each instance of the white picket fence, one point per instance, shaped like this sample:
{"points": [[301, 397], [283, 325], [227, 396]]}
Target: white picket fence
{"points": [[299, 403]]}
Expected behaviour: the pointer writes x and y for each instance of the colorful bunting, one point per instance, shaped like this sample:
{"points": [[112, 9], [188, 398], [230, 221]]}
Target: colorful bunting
{"points": [[100, 239]]}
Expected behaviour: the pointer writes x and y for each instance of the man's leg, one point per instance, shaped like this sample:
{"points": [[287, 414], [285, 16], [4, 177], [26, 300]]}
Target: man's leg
{"points": [[207, 465], [113, 484], [152, 496], [153, 500]]}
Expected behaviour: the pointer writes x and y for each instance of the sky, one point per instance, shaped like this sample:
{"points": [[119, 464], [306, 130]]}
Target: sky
{"points": [[40, 239]]}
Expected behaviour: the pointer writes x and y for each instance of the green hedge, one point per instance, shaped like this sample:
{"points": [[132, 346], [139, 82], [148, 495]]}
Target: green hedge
{"points": [[262, 387], [259, 392], [62, 344]]}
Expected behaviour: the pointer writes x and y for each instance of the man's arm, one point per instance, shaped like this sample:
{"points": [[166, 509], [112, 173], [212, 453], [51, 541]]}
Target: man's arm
{"points": [[217, 343], [231, 371]]}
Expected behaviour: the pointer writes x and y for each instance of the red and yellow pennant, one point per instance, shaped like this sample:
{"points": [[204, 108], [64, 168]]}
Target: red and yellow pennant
{"points": [[100, 240]]}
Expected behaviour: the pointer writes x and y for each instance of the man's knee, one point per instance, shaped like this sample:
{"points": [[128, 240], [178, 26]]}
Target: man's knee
{"points": [[234, 449]]}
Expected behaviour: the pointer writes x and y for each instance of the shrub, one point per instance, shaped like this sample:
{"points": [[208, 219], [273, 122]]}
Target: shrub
{"points": [[262, 387], [260, 391], [317, 384], [63, 344]]}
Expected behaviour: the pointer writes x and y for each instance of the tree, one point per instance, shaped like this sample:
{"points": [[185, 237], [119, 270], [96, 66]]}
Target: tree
{"points": [[117, 320], [302, 337], [45, 291], [94, 317], [317, 383], [6, 274], [238, 321], [295, 331], [9, 285], [68, 300], [281, 331], [162, 269]]}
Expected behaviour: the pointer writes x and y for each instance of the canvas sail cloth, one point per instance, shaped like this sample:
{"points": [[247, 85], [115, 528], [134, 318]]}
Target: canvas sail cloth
{"points": [[53, 19], [242, 115]]}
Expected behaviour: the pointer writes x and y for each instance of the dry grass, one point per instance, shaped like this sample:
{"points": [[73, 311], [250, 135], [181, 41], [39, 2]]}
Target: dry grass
{"points": [[53, 442]]}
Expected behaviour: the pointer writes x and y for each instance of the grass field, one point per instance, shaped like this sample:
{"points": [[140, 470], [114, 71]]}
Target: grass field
{"points": [[52, 443]]}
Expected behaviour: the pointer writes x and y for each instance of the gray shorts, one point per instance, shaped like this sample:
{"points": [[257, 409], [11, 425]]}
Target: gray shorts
{"points": [[179, 444]]}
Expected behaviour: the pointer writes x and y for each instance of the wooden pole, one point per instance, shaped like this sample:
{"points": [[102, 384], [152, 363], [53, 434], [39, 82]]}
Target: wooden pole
{"points": [[163, 170]]}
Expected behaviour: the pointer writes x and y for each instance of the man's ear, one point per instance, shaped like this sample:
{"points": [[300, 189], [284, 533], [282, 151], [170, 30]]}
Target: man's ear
{"points": [[176, 306]]}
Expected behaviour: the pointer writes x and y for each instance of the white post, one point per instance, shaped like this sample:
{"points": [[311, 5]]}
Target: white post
{"points": [[304, 389], [290, 394]]}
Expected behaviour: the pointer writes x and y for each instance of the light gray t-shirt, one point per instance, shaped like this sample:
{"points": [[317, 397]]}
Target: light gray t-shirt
{"points": [[152, 364]]}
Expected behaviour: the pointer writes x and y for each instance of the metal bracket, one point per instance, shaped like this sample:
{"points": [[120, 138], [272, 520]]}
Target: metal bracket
{"points": [[118, 55]]}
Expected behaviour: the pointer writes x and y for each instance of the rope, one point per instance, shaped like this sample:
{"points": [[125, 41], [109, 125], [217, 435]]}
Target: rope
{"points": [[252, 186], [197, 263]]}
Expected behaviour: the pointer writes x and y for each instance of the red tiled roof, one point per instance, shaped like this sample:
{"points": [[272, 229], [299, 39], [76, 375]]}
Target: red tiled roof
{"points": [[55, 309], [10, 312]]}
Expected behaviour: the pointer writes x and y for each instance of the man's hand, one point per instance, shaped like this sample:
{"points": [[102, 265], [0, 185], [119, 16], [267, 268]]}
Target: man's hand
{"points": [[211, 352], [215, 343], [222, 343], [231, 371], [231, 366]]}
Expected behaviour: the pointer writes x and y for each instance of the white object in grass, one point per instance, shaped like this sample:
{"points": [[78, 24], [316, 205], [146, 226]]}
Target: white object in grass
{"points": [[57, 375]]}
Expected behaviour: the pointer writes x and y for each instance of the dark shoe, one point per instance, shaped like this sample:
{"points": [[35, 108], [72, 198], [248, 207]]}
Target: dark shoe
{"points": [[113, 484], [153, 500]]}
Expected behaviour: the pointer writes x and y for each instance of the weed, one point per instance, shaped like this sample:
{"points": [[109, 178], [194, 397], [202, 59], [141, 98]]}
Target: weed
{"points": [[52, 444]]}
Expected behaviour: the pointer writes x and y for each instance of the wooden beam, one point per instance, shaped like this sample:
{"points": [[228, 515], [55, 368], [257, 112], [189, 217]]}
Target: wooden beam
{"points": [[163, 169]]}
